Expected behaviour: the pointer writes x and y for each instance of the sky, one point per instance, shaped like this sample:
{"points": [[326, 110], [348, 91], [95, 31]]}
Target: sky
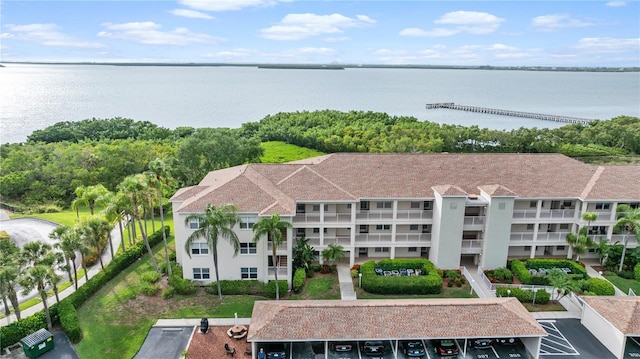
{"points": [[496, 33]]}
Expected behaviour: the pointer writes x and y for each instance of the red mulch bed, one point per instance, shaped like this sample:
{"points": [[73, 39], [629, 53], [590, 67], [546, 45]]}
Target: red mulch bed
{"points": [[211, 344]]}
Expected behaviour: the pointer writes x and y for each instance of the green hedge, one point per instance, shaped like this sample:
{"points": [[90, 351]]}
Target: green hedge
{"points": [[524, 295], [237, 287], [270, 288], [299, 278], [521, 270], [69, 321], [636, 271], [15, 331], [599, 286], [429, 282]]}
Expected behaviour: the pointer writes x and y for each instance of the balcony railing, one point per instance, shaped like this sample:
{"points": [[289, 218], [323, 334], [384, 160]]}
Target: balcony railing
{"points": [[413, 237], [542, 236], [524, 213], [307, 217], [558, 213], [333, 217], [631, 239], [282, 271], [375, 215], [281, 247], [372, 238], [521, 236], [413, 214], [474, 220], [470, 246], [341, 240]]}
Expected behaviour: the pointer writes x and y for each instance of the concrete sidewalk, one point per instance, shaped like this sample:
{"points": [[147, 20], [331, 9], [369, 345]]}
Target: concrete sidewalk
{"points": [[346, 283]]}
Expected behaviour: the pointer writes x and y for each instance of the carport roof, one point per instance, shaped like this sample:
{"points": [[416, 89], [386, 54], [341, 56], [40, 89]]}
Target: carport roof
{"points": [[318, 320], [622, 312]]}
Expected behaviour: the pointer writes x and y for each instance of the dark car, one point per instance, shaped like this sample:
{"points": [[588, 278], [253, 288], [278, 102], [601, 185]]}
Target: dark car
{"points": [[413, 348], [373, 347], [507, 341], [342, 346], [445, 347], [482, 343], [276, 351]]}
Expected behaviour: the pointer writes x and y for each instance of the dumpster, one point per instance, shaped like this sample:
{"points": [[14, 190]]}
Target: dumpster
{"points": [[37, 343]]}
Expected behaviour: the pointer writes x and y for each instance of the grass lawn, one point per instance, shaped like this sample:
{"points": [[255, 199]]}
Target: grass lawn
{"points": [[550, 307], [624, 284], [279, 152], [321, 286], [66, 217]]}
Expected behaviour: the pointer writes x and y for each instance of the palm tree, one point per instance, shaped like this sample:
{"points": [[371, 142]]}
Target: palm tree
{"points": [[75, 240], [159, 171], [134, 187], [581, 242], [58, 234], [68, 244], [215, 223], [561, 282], [115, 209], [87, 196], [10, 270], [602, 249], [39, 277], [273, 228], [303, 253], [42, 254], [629, 221], [93, 231], [333, 253]]}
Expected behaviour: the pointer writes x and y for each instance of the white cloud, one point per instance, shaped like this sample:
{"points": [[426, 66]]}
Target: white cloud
{"points": [[471, 22], [227, 5], [334, 39], [608, 44], [149, 33], [556, 21], [191, 14], [47, 35], [239, 53], [302, 26], [616, 3]]}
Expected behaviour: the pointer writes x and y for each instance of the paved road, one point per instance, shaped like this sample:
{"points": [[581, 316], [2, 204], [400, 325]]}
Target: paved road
{"points": [[165, 342]]}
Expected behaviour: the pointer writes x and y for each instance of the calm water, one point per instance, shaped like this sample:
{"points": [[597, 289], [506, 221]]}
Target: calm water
{"points": [[36, 96]]}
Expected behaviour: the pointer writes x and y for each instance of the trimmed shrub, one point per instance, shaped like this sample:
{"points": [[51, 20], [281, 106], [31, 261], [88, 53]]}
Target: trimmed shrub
{"points": [[299, 278], [428, 282], [452, 274], [502, 274], [236, 287], [599, 286], [182, 286], [524, 295], [150, 276], [168, 293], [270, 288], [354, 273], [520, 271], [636, 271], [626, 274], [149, 289], [69, 321]]}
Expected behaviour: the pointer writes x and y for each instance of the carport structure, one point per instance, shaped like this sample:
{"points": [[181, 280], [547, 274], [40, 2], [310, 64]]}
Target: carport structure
{"points": [[615, 321], [324, 321]]}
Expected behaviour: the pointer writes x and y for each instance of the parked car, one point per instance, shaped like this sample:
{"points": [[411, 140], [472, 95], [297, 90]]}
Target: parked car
{"points": [[445, 347], [342, 346], [482, 343], [276, 351], [507, 341], [412, 348], [373, 347]]}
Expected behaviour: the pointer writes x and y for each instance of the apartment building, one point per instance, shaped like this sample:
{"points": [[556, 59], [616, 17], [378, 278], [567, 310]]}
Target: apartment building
{"points": [[449, 208]]}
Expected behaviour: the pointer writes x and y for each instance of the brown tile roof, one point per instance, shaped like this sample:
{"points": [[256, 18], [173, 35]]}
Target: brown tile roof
{"points": [[353, 176], [622, 312], [187, 192], [390, 319]]}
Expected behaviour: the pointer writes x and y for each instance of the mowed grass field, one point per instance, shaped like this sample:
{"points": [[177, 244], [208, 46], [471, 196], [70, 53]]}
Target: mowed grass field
{"points": [[279, 152]]}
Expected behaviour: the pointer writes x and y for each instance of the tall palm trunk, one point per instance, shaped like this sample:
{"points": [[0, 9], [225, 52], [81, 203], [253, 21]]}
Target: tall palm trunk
{"points": [[110, 245], [7, 310], [13, 298], [84, 266], [43, 295], [68, 268], [121, 235], [164, 237], [146, 243], [99, 254], [215, 265], [75, 271], [275, 271], [55, 291]]}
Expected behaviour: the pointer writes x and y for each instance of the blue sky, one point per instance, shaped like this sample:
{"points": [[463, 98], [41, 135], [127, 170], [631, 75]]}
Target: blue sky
{"points": [[515, 33]]}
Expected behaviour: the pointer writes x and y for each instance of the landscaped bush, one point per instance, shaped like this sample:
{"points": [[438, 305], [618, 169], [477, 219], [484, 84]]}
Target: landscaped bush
{"points": [[636, 271], [236, 287], [182, 286], [524, 295], [626, 274], [599, 286], [69, 321], [299, 278], [312, 270], [520, 271], [502, 274], [429, 282], [576, 268], [150, 277], [149, 289], [270, 288], [168, 293]]}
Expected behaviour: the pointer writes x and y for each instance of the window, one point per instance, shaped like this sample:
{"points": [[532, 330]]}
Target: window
{"points": [[249, 273], [530, 227], [364, 205], [300, 208], [603, 206], [326, 208], [428, 205], [527, 248], [566, 204], [564, 225], [533, 204], [426, 228], [316, 208], [364, 228], [560, 248], [383, 227], [247, 222], [199, 249], [316, 230], [598, 230], [301, 232], [349, 205], [381, 249], [413, 249], [201, 273], [194, 223], [413, 227], [415, 204], [248, 248], [385, 204]]}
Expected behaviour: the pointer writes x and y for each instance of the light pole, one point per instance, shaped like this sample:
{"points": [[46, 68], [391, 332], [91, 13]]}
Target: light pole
{"points": [[473, 281], [508, 293], [360, 280]]}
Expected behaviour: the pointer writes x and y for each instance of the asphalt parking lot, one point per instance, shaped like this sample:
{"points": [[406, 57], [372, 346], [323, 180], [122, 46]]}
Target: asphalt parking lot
{"points": [[568, 339], [165, 343], [632, 350]]}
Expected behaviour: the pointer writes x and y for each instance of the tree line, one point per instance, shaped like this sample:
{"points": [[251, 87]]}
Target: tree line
{"points": [[53, 162]]}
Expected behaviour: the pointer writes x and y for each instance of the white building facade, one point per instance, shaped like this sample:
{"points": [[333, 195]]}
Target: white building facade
{"points": [[448, 208]]}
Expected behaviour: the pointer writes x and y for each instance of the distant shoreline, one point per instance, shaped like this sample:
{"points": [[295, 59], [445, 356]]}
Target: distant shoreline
{"points": [[334, 66]]}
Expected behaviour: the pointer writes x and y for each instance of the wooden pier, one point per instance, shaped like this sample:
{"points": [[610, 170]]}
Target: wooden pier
{"points": [[497, 111]]}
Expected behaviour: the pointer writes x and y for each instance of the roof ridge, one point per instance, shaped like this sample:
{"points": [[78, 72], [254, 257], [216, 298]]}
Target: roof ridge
{"points": [[266, 185], [592, 182], [332, 183]]}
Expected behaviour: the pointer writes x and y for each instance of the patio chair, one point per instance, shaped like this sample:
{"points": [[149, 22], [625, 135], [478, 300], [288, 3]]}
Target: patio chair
{"points": [[230, 351]]}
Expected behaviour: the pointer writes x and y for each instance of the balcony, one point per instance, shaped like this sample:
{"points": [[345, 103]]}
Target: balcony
{"points": [[542, 237], [333, 217], [374, 215], [413, 214], [341, 240], [524, 213], [307, 218], [558, 213], [631, 239], [282, 271], [282, 248], [474, 220], [471, 246], [362, 238], [521, 236], [421, 238]]}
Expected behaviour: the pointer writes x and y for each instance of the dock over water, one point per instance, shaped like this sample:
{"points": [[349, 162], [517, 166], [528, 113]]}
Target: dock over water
{"points": [[497, 111]]}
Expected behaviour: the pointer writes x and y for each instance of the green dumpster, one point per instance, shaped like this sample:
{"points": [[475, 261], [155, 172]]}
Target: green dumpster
{"points": [[37, 343]]}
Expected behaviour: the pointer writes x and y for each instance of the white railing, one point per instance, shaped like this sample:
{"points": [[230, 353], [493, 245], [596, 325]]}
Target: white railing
{"points": [[337, 217], [375, 238], [523, 286], [307, 217], [414, 214], [281, 247], [524, 213], [521, 236], [558, 213], [413, 237], [475, 286], [552, 236], [341, 240], [474, 220], [471, 246], [374, 215], [485, 280], [282, 271], [631, 238], [632, 293]]}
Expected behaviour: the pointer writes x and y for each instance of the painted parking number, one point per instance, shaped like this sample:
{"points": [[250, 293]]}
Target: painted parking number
{"points": [[634, 355], [514, 355], [482, 356]]}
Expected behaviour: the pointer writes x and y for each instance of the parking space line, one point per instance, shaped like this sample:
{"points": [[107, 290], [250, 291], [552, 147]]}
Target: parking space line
{"points": [[555, 333], [634, 340], [495, 352]]}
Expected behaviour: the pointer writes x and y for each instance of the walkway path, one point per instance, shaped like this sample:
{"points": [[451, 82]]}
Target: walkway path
{"points": [[106, 258], [346, 283], [485, 291]]}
